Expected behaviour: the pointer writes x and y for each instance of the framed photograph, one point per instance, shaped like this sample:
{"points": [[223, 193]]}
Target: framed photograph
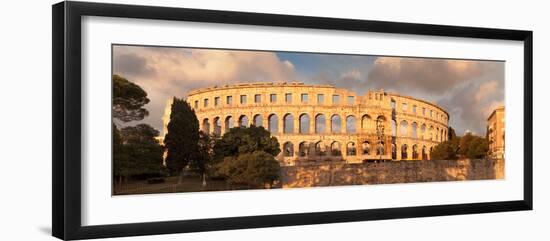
{"points": [[171, 120]]}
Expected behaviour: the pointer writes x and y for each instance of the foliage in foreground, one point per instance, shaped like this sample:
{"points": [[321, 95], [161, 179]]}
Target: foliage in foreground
{"points": [[467, 146]]}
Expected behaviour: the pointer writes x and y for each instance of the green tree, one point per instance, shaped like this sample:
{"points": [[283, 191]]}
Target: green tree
{"points": [[465, 143], [247, 156], [452, 133], [120, 157], [128, 100], [254, 169], [241, 140], [478, 148], [182, 140], [203, 162], [444, 151], [143, 153]]}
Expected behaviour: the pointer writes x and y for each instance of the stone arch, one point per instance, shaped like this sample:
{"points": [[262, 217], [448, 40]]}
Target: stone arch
{"points": [[217, 126], [393, 127], [229, 121], [206, 126], [366, 123], [351, 125], [273, 124], [365, 148], [424, 154], [303, 149], [431, 133], [320, 124], [288, 123], [404, 150], [442, 136], [393, 152], [258, 120], [381, 120], [380, 150], [415, 152], [320, 149], [243, 121], [403, 128], [288, 149], [335, 124], [414, 130], [304, 124], [335, 149], [351, 150], [437, 134]]}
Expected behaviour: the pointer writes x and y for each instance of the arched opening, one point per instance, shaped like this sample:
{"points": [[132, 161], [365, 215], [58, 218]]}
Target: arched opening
{"points": [[414, 128], [335, 124], [228, 123], [350, 149], [303, 149], [288, 149], [437, 134], [404, 127], [431, 149], [206, 126], [365, 148], [243, 121], [415, 152], [442, 136], [431, 133], [273, 124], [381, 124], [424, 154], [351, 125], [217, 126], [258, 120], [320, 149], [393, 152], [393, 128], [366, 123], [288, 123], [404, 152], [380, 149], [320, 124], [335, 149], [304, 124]]}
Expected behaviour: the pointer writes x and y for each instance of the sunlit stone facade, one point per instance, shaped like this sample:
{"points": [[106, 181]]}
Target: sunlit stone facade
{"points": [[320, 122], [495, 133]]}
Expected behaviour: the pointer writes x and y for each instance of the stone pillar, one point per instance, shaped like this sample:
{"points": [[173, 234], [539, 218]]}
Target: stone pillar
{"points": [[296, 124], [280, 123], [312, 122], [222, 120], [343, 121]]}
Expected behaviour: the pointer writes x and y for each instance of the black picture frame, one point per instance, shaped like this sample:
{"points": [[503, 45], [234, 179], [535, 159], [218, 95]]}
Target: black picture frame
{"points": [[66, 75]]}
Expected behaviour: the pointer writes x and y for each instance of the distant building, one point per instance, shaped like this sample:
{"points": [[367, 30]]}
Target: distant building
{"points": [[495, 133], [321, 122]]}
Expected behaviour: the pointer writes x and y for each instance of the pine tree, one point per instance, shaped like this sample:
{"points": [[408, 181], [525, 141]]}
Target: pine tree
{"points": [[182, 139]]}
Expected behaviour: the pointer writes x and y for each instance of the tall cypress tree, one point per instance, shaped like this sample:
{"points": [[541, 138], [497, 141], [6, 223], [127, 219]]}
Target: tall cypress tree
{"points": [[182, 139]]}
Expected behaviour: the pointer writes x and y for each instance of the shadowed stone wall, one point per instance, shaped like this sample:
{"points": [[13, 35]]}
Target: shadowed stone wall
{"points": [[335, 174]]}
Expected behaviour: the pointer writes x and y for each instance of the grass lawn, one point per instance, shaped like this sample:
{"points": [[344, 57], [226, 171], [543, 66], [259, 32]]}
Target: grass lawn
{"points": [[189, 184]]}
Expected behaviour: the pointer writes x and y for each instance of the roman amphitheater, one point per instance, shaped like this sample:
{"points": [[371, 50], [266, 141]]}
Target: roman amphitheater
{"points": [[316, 123]]}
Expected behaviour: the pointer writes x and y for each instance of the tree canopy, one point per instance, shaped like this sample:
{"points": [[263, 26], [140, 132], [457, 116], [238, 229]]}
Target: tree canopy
{"points": [[246, 155], [467, 146], [136, 151], [240, 140], [182, 140], [128, 100]]}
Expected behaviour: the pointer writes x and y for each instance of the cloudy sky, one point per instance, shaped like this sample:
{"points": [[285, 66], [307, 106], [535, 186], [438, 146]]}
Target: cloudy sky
{"points": [[467, 89]]}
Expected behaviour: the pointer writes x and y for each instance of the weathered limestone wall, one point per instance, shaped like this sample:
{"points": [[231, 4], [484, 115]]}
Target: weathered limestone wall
{"points": [[336, 174]]}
